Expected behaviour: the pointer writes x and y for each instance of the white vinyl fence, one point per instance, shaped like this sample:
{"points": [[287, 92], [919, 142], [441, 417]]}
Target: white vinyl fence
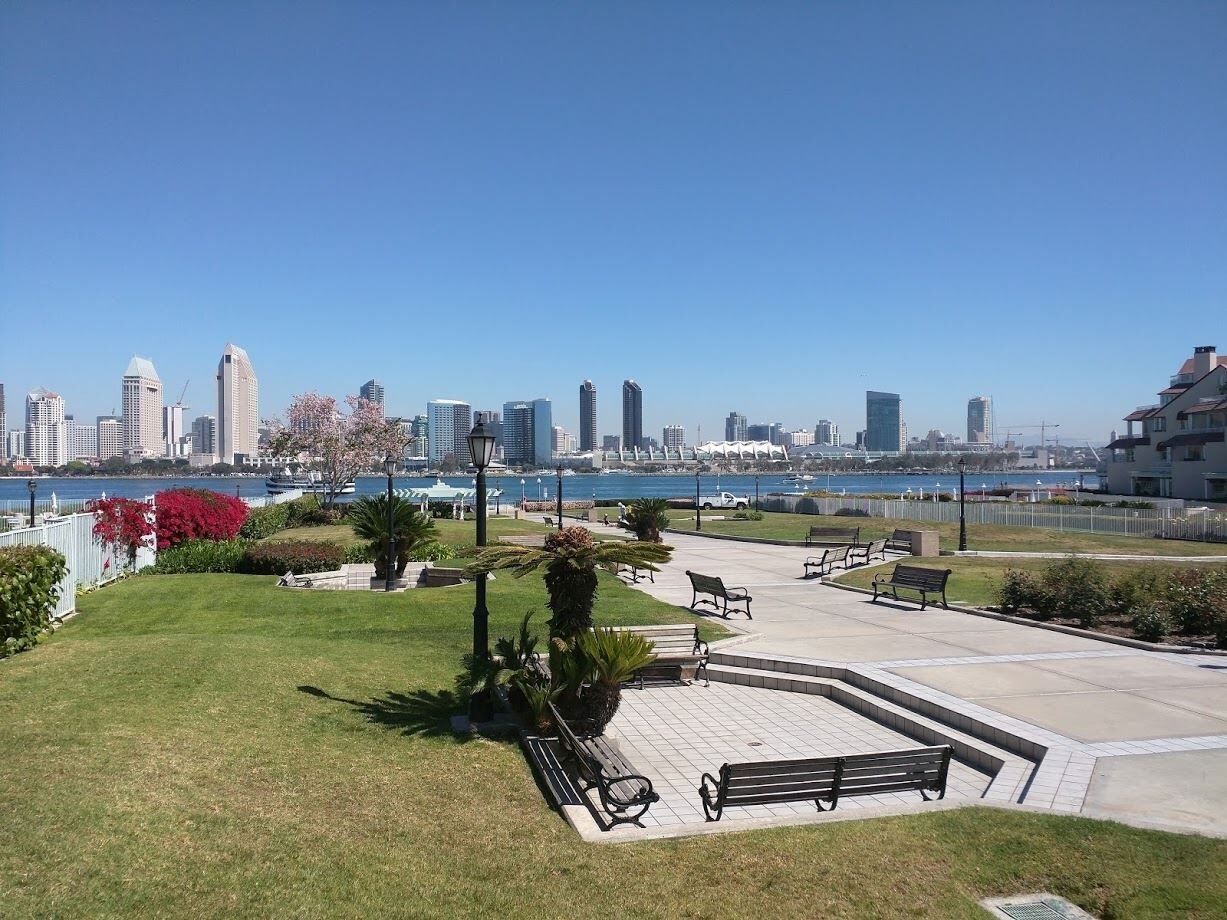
{"points": [[1183, 524], [89, 562], [279, 499]]}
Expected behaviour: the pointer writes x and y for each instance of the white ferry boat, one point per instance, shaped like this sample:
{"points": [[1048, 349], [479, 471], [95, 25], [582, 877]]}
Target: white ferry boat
{"points": [[309, 481], [799, 477]]}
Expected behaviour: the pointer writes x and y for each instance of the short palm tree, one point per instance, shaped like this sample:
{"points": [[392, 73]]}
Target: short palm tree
{"points": [[369, 518], [648, 517], [613, 657]]}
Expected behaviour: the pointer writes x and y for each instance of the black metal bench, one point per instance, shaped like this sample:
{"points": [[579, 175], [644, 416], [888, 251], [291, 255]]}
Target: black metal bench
{"points": [[820, 536], [914, 578], [676, 646], [900, 541], [624, 794], [825, 563], [637, 574], [713, 585], [826, 778], [868, 551]]}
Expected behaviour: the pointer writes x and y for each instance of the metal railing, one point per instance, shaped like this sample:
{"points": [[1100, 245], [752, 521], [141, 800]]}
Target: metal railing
{"points": [[263, 501], [1207, 526]]}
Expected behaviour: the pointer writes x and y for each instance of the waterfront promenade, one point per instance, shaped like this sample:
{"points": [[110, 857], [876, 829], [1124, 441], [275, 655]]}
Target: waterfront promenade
{"points": [[1113, 732]]}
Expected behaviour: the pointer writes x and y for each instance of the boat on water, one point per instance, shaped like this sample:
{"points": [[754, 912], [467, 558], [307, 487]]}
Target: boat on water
{"points": [[309, 481], [799, 477]]}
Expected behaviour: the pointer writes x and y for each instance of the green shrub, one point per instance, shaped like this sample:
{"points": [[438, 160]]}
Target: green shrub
{"points": [[1151, 623], [1139, 505], [1016, 592], [432, 551], [357, 553], [195, 556], [264, 522], [1138, 590], [29, 589], [748, 516], [1079, 590], [851, 512], [298, 556], [1197, 600]]}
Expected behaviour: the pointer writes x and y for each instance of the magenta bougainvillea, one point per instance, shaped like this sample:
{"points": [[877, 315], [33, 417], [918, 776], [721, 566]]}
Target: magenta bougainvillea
{"points": [[197, 514], [122, 523]]}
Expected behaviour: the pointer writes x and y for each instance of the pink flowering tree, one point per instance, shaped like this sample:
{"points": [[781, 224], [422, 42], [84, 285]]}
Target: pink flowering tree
{"points": [[338, 442]]}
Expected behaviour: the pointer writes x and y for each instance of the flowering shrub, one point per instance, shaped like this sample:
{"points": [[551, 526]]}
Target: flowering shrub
{"points": [[29, 588], [121, 523], [197, 514], [292, 556]]}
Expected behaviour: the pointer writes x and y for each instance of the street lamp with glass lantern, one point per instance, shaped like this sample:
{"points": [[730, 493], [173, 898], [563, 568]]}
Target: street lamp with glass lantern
{"points": [[523, 494], [698, 520], [560, 496], [756, 493], [540, 490], [481, 449], [389, 467], [33, 487], [962, 507]]}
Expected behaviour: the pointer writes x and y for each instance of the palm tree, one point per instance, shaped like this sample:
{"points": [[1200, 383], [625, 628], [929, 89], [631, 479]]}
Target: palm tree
{"points": [[613, 657], [369, 518], [648, 517], [571, 558]]}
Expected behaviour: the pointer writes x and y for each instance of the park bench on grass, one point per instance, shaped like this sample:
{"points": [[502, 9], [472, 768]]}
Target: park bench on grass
{"points": [[821, 536], [680, 654], [900, 542], [713, 585], [290, 580], [637, 574], [825, 563], [815, 779], [625, 795], [873, 548], [915, 578], [549, 521]]}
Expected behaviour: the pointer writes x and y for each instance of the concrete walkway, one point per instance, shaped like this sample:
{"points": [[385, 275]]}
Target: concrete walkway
{"points": [[1149, 730]]}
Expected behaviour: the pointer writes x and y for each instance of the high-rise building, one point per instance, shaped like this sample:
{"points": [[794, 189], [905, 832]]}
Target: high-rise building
{"points": [[110, 431], [611, 442], [372, 391], [800, 438], [587, 415], [142, 416], [758, 432], [172, 430], [735, 427], [4, 423], [82, 440], [674, 437], [883, 421], [528, 432], [204, 435], [563, 441], [632, 413], [826, 432], [47, 441], [493, 421], [777, 434], [449, 422], [980, 420], [15, 444], [238, 406]]}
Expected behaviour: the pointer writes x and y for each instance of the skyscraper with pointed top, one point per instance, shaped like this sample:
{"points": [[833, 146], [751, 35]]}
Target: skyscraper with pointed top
{"points": [[238, 405], [142, 402]]}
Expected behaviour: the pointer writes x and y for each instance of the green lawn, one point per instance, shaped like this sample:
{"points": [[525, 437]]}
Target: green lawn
{"points": [[457, 533], [209, 745], [779, 526], [974, 581]]}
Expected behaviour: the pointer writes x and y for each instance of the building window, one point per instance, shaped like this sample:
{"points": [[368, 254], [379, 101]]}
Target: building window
{"points": [[1194, 452], [1129, 455], [1158, 424], [1161, 453]]}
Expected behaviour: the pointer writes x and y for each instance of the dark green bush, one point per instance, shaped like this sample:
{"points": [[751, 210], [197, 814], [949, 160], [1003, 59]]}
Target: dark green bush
{"points": [[202, 556], [1197, 600], [264, 522], [851, 512], [1151, 623], [1017, 591], [1079, 590], [29, 589], [1137, 590], [299, 556]]}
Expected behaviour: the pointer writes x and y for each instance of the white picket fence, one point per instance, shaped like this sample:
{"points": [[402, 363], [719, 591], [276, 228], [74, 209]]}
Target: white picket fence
{"points": [[1183, 524], [89, 561], [280, 499]]}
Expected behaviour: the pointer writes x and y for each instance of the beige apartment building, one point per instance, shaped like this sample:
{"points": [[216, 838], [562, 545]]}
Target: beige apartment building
{"points": [[1178, 449]]}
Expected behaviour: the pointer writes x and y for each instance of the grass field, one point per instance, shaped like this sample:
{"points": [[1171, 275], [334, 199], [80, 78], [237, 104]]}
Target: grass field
{"points": [[779, 526], [457, 533], [208, 745]]}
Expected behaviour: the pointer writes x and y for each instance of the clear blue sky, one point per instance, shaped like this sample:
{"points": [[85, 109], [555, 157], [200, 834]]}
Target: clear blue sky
{"points": [[762, 207]]}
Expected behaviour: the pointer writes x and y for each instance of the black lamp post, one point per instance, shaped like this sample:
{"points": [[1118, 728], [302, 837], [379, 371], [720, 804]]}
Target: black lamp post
{"points": [[481, 449], [498, 494], [389, 467], [33, 487], [755, 493], [962, 506], [560, 496], [698, 520]]}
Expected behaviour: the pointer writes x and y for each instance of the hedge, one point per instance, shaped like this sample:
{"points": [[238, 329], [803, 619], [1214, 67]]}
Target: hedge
{"points": [[201, 556], [29, 589], [300, 557]]}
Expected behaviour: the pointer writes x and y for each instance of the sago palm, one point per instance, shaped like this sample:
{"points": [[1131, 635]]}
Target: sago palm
{"points": [[368, 516], [648, 517], [614, 657]]}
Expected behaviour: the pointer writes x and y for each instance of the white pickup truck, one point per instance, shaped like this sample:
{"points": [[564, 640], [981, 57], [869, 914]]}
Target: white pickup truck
{"points": [[724, 500]]}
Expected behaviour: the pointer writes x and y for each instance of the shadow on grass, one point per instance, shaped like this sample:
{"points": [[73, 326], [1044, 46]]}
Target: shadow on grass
{"points": [[421, 714]]}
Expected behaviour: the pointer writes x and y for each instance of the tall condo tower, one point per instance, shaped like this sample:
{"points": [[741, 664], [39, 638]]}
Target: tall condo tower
{"points": [[238, 405], [4, 425], [142, 417], [826, 432], [372, 391], [449, 422], [47, 441], [735, 427], [980, 420], [673, 437], [528, 432], [632, 415], [110, 437], [883, 421], [587, 415]]}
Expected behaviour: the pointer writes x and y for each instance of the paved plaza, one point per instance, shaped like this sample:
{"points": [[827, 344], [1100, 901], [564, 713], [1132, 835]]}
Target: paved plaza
{"points": [[1072, 724]]}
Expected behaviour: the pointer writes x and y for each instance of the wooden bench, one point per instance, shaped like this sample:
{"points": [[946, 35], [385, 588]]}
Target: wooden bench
{"points": [[625, 795], [871, 549], [900, 542], [826, 778], [914, 578], [549, 521], [819, 536], [826, 562], [711, 584], [675, 645], [636, 573]]}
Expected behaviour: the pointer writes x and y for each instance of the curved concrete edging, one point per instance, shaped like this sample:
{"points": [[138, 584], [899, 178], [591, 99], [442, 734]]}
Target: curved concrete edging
{"points": [[1106, 557], [734, 537], [1057, 627]]}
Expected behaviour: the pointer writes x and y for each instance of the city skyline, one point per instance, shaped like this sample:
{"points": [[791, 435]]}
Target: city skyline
{"points": [[130, 214]]}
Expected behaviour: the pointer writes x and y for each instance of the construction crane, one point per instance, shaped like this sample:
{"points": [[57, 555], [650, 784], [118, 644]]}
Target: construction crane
{"points": [[1042, 426], [179, 401]]}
